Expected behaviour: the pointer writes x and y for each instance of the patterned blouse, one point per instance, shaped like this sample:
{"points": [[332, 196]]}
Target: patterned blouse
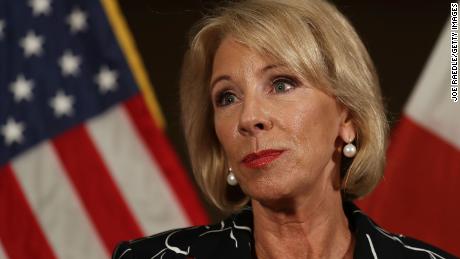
{"points": [[232, 238]]}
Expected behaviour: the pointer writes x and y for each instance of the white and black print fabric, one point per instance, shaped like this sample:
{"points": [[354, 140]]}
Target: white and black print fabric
{"points": [[232, 238]]}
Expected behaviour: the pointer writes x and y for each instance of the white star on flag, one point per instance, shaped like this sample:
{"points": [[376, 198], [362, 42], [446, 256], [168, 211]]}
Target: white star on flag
{"points": [[77, 20], [32, 44], [12, 131], [22, 88], [2, 27], [106, 79], [40, 7], [62, 104], [69, 63]]}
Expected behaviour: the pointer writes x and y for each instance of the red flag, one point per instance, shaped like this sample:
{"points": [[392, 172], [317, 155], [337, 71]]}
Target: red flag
{"points": [[420, 193]]}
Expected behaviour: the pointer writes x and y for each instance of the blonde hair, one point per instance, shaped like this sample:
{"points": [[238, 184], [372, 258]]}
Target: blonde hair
{"points": [[315, 40]]}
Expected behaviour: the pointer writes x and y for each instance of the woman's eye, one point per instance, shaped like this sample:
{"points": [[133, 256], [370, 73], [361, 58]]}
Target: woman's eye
{"points": [[225, 98], [281, 85]]}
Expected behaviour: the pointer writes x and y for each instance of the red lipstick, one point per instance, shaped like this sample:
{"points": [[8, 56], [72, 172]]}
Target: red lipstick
{"points": [[261, 158]]}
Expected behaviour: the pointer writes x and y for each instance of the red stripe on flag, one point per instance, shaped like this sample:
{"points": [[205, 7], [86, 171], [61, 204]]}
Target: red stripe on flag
{"points": [[163, 155], [20, 232], [422, 177], [96, 188]]}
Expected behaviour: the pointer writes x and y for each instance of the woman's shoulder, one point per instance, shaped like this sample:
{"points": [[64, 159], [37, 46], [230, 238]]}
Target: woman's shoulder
{"points": [[154, 246], [229, 238], [372, 241]]}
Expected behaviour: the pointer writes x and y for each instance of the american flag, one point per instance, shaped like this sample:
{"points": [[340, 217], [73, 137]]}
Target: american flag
{"points": [[84, 162]]}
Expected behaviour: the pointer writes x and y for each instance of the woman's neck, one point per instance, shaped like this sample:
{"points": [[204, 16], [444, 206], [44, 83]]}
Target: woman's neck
{"points": [[312, 227]]}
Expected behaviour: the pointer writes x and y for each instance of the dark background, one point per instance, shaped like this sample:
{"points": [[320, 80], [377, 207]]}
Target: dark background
{"points": [[399, 37]]}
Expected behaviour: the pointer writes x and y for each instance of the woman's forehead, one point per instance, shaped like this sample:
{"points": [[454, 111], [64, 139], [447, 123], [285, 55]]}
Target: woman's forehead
{"points": [[234, 50]]}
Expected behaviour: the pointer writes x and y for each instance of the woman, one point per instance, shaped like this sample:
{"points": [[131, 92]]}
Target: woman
{"points": [[285, 126]]}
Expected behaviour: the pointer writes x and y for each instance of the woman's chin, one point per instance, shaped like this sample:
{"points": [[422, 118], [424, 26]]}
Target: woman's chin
{"points": [[269, 192]]}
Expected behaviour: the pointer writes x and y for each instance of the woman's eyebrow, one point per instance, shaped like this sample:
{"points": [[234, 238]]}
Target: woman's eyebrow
{"points": [[228, 78], [268, 67], [220, 78]]}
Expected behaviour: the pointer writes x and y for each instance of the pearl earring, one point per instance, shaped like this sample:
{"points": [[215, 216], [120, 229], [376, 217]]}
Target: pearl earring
{"points": [[349, 150], [231, 179]]}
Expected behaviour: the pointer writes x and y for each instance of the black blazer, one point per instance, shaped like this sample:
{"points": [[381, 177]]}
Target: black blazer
{"points": [[232, 239]]}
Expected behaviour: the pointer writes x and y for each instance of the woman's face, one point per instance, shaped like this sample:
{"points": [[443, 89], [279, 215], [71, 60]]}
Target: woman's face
{"points": [[262, 107]]}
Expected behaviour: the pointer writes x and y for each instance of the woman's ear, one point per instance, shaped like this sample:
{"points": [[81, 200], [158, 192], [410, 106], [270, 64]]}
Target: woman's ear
{"points": [[347, 129]]}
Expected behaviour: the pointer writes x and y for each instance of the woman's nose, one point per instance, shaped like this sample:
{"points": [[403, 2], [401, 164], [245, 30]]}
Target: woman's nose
{"points": [[254, 119]]}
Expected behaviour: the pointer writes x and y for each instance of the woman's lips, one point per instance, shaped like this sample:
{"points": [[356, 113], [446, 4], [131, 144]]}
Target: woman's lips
{"points": [[261, 158]]}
